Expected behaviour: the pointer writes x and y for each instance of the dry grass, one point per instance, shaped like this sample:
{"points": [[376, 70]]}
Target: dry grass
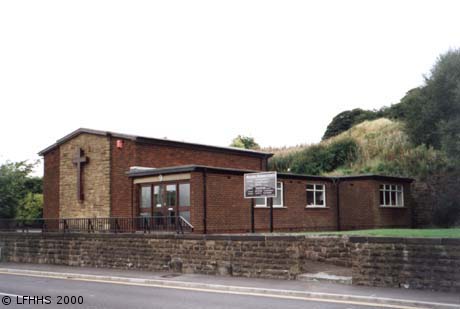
{"points": [[382, 142]]}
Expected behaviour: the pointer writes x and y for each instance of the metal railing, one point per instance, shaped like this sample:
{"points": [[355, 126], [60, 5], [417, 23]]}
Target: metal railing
{"points": [[98, 225]]}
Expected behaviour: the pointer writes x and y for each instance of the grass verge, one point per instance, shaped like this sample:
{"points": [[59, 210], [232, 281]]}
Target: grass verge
{"points": [[422, 233]]}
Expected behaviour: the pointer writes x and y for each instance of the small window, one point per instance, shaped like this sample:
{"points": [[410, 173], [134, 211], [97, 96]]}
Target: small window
{"points": [[277, 201], [391, 195], [316, 195]]}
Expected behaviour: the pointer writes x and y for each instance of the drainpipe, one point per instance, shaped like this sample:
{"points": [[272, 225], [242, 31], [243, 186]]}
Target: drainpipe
{"points": [[204, 200], [337, 192], [132, 197], [133, 229]]}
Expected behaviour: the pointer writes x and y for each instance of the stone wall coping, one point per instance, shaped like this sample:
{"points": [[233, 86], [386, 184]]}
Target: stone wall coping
{"points": [[245, 237], [225, 237], [405, 240]]}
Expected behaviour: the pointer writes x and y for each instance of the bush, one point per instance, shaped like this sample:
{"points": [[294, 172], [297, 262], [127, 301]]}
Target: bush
{"points": [[317, 159], [419, 162], [446, 212], [282, 163]]}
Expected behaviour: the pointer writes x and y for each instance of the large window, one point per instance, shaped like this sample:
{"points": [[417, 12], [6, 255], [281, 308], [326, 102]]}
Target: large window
{"points": [[391, 195], [316, 195], [277, 201]]}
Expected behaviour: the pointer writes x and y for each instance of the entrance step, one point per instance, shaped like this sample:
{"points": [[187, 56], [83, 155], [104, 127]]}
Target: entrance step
{"points": [[324, 277], [321, 272]]}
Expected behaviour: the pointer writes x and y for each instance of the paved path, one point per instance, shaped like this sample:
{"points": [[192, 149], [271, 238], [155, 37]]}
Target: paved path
{"points": [[104, 288]]}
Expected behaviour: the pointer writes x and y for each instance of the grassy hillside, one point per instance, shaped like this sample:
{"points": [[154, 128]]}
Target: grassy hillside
{"points": [[382, 147]]}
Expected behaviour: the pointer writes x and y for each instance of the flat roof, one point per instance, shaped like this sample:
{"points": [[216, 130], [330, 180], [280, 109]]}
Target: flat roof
{"points": [[156, 141], [201, 168]]}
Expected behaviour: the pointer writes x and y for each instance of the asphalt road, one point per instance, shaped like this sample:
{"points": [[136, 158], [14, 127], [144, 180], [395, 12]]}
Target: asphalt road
{"points": [[111, 295]]}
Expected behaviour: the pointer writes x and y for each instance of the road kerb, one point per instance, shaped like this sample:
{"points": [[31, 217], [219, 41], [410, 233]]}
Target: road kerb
{"points": [[232, 288]]}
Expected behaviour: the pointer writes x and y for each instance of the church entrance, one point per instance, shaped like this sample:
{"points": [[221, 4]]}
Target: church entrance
{"points": [[165, 202]]}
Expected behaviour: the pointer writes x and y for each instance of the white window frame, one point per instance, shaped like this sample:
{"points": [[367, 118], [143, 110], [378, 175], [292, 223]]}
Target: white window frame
{"points": [[385, 187], [265, 204], [314, 190]]}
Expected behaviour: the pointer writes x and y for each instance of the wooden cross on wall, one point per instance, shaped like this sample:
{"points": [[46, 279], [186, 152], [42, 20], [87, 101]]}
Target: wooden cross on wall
{"points": [[79, 160]]}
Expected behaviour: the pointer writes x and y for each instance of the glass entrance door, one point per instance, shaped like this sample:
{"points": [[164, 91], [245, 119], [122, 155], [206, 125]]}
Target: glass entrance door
{"points": [[171, 201]]}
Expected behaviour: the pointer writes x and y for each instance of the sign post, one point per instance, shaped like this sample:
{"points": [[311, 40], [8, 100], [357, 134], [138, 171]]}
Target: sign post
{"points": [[270, 202], [260, 185]]}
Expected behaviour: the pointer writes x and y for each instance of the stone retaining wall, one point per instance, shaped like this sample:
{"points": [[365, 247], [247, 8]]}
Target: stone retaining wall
{"points": [[249, 256], [376, 261], [418, 263]]}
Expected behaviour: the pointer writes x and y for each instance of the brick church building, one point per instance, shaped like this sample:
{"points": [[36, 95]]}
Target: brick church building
{"points": [[99, 174]]}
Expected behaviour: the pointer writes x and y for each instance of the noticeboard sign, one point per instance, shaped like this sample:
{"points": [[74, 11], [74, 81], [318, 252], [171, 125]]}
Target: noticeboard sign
{"points": [[260, 185]]}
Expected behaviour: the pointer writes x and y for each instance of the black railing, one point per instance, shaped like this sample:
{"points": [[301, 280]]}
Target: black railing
{"points": [[98, 225]]}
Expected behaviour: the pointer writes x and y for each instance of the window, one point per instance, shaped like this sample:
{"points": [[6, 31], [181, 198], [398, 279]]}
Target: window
{"points": [[391, 195], [170, 195], [277, 201], [157, 198], [316, 195], [184, 194], [146, 200]]}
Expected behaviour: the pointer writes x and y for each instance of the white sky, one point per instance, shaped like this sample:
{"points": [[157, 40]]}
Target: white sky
{"points": [[206, 71]]}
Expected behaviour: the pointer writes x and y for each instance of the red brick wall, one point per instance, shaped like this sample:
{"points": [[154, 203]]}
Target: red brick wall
{"points": [[360, 206], [196, 201], [393, 217], [51, 184], [120, 184], [135, 154], [229, 211], [166, 156], [295, 216]]}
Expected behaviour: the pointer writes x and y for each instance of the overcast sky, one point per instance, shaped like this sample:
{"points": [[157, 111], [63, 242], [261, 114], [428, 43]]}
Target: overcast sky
{"points": [[206, 71]]}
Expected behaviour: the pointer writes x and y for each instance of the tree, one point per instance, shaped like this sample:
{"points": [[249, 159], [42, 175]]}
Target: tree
{"points": [[30, 207], [345, 120], [245, 142], [433, 112], [446, 204], [14, 177]]}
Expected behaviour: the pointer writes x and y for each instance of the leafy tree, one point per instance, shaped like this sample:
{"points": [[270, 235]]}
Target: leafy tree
{"points": [[450, 140], [446, 210], [14, 177], [433, 112], [245, 142], [345, 120], [398, 111], [30, 207], [34, 184]]}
